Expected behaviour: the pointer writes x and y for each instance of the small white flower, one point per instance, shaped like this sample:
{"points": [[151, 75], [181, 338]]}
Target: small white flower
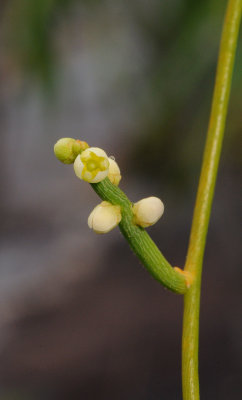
{"points": [[104, 217], [114, 172], [148, 211], [92, 165]]}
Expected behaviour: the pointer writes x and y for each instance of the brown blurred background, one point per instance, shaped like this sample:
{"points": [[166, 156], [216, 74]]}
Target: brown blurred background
{"points": [[79, 316]]}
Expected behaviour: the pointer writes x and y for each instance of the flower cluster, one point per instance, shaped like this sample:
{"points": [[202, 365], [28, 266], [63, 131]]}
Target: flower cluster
{"points": [[92, 165]]}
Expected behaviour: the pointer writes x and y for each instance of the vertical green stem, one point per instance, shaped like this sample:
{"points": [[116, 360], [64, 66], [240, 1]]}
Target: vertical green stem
{"points": [[204, 199]]}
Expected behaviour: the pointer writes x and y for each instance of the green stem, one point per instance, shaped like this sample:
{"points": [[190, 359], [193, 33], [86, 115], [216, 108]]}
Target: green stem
{"points": [[204, 199], [139, 240]]}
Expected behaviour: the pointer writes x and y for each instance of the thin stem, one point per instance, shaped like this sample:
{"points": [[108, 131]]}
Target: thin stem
{"points": [[204, 199], [139, 240]]}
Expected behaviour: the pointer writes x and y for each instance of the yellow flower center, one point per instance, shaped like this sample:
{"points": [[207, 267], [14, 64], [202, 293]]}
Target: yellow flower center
{"points": [[92, 165]]}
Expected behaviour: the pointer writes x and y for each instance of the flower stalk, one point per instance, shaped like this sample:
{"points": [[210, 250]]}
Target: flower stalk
{"points": [[139, 240]]}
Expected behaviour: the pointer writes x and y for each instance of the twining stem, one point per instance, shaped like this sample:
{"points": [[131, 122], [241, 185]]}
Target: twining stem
{"points": [[204, 199], [139, 240]]}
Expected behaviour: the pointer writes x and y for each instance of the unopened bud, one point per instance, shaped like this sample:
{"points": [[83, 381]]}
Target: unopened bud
{"points": [[104, 217], [148, 211], [92, 165], [114, 172], [67, 149]]}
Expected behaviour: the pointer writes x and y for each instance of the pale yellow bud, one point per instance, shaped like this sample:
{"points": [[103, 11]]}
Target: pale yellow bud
{"points": [[104, 217], [92, 165], [114, 172], [148, 211]]}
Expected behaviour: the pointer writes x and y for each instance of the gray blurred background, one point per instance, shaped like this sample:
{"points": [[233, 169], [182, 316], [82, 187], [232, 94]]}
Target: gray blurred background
{"points": [[79, 316]]}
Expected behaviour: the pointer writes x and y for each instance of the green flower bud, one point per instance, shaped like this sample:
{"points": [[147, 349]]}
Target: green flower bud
{"points": [[67, 149]]}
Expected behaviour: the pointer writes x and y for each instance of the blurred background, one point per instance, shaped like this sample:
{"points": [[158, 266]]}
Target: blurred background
{"points": [[80, 318]]}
